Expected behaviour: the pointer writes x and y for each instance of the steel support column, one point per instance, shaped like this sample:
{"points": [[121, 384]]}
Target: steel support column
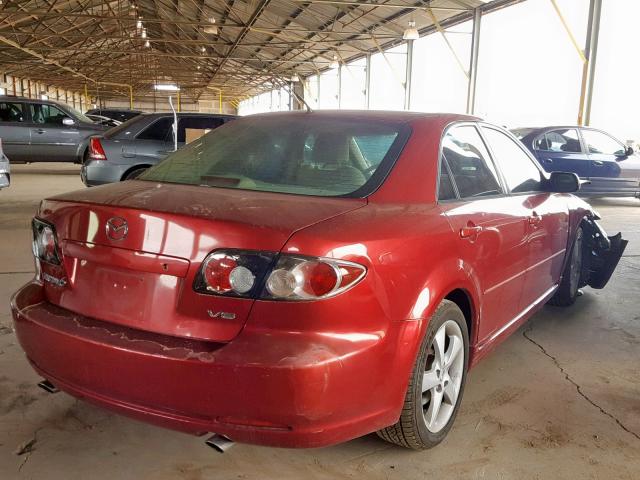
{"points": [[473, 64], [591, 52], [367, 82], [409, 70], [339, 86]]}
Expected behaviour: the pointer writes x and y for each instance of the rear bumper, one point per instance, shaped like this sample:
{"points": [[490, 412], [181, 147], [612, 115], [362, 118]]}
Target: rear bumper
{"points": [[99, 172], [278, 389]]}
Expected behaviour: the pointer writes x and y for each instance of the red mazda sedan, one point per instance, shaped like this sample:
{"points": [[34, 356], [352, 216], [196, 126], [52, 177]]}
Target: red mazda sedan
{"points": [[302, 279]]}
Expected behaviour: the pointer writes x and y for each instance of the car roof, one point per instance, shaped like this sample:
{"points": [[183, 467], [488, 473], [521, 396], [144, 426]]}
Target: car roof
{"points": [[185, 114], [399, 116]]}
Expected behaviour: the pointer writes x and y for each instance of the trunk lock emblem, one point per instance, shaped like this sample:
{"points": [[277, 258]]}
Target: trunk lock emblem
{"points": [[117, 228]]}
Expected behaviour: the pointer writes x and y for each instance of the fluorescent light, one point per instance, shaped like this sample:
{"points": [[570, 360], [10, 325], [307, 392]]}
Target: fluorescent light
{"points": [[411, 33], [144, 33], [166, 87], [147, 44]]}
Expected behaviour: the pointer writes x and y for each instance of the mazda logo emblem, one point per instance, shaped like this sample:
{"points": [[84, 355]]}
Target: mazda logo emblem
{"points": [[117, 228]]}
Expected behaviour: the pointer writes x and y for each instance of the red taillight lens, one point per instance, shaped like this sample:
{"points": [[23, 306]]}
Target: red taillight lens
{"points": [[309, 278], [96, 152], [45, 244], [233, 272]]}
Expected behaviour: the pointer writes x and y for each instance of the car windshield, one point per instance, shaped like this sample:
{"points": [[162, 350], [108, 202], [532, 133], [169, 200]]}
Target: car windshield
{"points": [[79, 115], [306, 154]]}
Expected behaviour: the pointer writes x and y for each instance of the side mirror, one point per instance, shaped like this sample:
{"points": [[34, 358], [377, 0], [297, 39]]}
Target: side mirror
{"points": [[563, 182], [68, 122], [629, 151]]}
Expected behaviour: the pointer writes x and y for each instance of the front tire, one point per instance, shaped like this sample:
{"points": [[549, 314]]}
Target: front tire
{"points": [[436, 384], [573, 276]]}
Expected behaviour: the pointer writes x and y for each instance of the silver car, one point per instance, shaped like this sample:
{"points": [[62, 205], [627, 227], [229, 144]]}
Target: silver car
{"points": [[5, 175], [44, 130], [124, 152]]}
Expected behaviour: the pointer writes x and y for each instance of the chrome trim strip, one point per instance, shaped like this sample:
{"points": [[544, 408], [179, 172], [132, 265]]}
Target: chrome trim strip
{"points": [[535, 303], [528, 269]]}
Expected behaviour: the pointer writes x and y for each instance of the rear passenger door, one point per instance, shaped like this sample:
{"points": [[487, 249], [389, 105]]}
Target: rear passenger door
{"points": [[561, 150], [153, 143], [14, 131], [51, 140], [547, 216], [491, 229]]}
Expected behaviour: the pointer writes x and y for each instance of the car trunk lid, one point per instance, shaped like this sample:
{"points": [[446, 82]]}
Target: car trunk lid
{"points": [[131, 250]]}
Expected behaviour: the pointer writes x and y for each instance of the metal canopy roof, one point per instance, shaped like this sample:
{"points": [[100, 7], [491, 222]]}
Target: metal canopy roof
{"points": [[70, 43]]}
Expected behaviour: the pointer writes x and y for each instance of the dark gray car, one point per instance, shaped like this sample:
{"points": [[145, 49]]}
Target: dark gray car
{"points": [[44, 130], [124, 152]]}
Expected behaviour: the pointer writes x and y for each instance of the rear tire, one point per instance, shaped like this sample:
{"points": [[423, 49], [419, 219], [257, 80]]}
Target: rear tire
{"points": [[574, 274], [436, 384], [133, 174]]}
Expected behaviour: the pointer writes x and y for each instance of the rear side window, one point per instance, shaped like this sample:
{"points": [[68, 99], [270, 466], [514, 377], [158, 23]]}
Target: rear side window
{"points": [[562, 140], [11, 112], [159, 130], [197, 123], [469, 163], [520, 173]]}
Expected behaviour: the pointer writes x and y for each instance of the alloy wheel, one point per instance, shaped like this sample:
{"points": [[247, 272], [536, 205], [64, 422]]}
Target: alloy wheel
{"points": [[442, 378]]}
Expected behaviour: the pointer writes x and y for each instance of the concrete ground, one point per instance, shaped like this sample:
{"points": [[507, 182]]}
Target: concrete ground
{"points": [[559, 400]]}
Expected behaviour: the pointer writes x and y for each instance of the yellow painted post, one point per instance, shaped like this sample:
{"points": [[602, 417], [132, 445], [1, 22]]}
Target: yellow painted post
{"points": [[86, 96], [178, 95], [219, 101], [130, 97]]}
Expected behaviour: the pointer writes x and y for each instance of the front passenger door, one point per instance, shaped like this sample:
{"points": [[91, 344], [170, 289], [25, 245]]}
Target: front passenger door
{"points": [[51, 140], [547, 215]]}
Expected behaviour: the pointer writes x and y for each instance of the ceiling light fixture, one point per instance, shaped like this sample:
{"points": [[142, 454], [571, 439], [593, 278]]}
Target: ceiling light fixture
{"points": [[334, 63], [411, 33], [203, 49], [211, 29], [144, 33], [295, 78], [166, 87], [139, 24], [147, 44]]}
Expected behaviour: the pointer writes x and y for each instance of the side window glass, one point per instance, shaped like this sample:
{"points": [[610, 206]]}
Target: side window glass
{"points": [[564, 140], [159, 130], [445, 189], [46, 114], [11, 112], [520, 173], [196, 123], [601, 143], [469, 163]]}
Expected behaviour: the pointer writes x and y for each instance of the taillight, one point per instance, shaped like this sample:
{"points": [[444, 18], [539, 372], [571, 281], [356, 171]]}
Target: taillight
{"points": [[237, 273], [45, 243], [309, 278], [96, 152], [252, 274]]}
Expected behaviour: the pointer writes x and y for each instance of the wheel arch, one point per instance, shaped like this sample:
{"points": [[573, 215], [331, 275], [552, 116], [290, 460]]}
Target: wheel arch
{"points": [[137, 166]]}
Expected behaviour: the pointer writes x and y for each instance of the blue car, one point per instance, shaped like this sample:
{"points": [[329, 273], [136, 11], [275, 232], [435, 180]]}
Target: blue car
{"points": [[611, 167]]}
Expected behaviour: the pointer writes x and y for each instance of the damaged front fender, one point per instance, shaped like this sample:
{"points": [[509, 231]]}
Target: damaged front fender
{"points": [[603, 253]]}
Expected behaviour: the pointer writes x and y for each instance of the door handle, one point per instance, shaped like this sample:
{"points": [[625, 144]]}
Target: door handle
{"points": [[548, 160], [470, 232], [534, 219], [598, 162], [40, 130]]}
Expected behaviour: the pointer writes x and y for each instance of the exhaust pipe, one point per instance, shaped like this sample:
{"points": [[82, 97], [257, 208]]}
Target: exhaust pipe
{"points": [[219, 443], [47, 386]]}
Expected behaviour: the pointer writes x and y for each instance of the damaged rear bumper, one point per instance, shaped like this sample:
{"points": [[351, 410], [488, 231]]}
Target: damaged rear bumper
{"points": [[604, 253], [264, 387]]}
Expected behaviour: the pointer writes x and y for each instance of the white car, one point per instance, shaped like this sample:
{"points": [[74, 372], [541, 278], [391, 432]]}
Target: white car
{"points": [[5, 178]]}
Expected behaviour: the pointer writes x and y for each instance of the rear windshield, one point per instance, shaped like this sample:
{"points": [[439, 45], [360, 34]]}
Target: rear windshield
{"points": [[304, 154], [125, 127], [520, 133]]}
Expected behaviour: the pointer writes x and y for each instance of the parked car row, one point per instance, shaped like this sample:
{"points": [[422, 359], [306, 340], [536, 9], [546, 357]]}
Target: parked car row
{"points": [[118, 144]]}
